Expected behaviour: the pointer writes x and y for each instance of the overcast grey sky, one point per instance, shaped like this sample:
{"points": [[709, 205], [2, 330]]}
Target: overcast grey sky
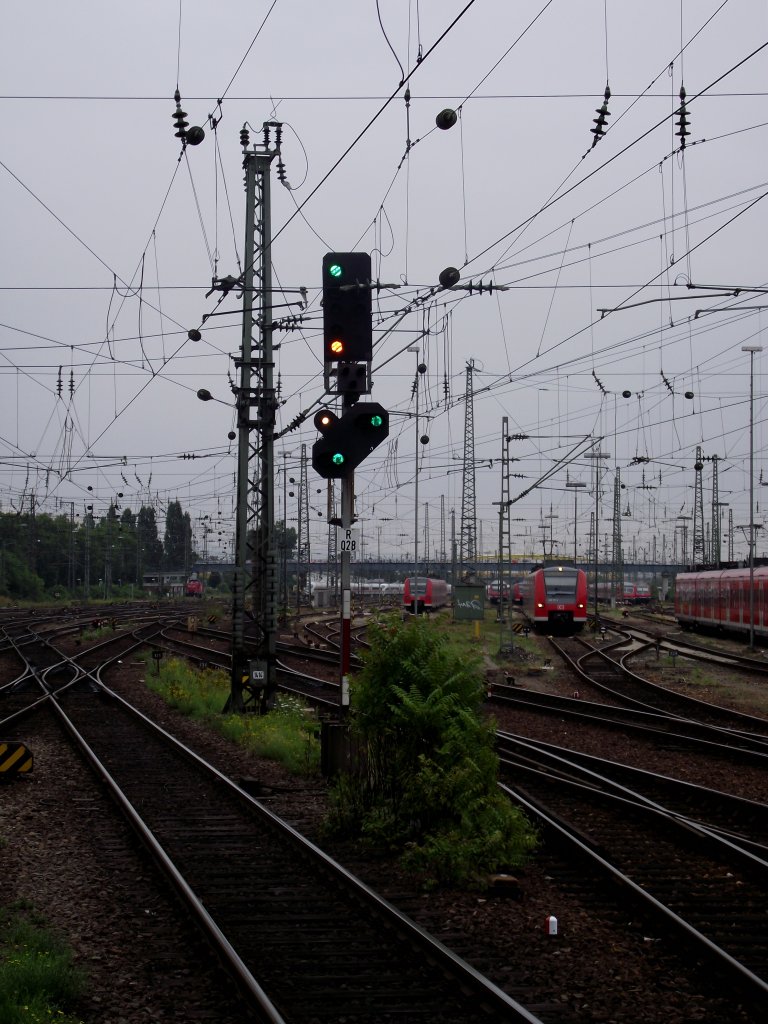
{"points": [[109, 242]]}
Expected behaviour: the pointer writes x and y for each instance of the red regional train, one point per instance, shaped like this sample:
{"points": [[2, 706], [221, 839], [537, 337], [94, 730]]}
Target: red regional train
{"points": [[720, 598], [633, 593], [636, 593], [493, 590], [428, 593], [555, 598]]}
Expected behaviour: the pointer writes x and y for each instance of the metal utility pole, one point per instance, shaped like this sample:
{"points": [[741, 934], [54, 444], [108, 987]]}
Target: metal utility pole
{"points": [[443, 551], [617, 569], [284, 543], [253, 682], [698, 512], [715, 553], [426, 539], [596, 456], [303, 552], [730, 534], [415, 581], [87, 520], [751, 349], [468, 527], [332, 554], [71, 574], [453, 547], [575, 484], [505, 539]]}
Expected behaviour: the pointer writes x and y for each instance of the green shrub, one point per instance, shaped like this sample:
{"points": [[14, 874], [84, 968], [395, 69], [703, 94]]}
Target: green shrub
{"points": [[425, 786]]}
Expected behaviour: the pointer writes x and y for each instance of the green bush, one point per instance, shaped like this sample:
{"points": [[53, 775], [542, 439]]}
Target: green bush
{"points": [[425, 786]]}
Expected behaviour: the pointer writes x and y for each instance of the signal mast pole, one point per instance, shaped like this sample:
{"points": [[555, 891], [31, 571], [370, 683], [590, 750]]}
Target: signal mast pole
{"points": [[347, 544], [253, 678], [346, 440]]}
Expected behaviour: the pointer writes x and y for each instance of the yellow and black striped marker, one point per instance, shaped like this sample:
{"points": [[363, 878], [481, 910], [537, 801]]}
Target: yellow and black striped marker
{"points": [[15, 758]]}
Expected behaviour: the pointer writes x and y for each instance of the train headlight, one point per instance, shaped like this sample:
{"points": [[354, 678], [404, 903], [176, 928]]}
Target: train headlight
{"points": [[539, 604]]}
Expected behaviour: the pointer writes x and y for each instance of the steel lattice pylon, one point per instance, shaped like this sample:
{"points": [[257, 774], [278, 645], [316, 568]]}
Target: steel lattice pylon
{"points": [[505, 537], [617, 559], [331, 571], [303, 546], [253, 671], [468, 527], [730, 534], [443, 552], [698, 555], [716, 554]]}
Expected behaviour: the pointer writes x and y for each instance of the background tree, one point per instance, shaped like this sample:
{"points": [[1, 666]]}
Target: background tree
{"points": [[285, 537], [150, 546], [177, 538]]}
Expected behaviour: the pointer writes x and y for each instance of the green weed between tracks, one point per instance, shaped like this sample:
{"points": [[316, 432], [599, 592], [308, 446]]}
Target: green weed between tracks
{"points": [[38, 981], [288, 734]]}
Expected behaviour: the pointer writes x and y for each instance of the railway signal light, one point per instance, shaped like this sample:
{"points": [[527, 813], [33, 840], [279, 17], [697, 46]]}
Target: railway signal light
{"points": [[347, 313], [347, 441]]}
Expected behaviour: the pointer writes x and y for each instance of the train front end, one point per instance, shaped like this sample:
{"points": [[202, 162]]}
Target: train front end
{"points": [[561, 598]]}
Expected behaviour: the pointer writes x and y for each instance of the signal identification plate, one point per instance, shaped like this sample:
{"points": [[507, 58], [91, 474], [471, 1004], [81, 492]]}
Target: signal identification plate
{"points": [[349, 542]]}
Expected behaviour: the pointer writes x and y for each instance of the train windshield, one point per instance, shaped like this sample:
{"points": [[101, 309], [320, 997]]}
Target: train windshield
{"points": [[560, 586]]}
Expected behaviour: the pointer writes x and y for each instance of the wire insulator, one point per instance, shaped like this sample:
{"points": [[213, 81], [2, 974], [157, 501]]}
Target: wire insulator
{"points": [[599, 122], [245, 137], [682, 124], [178, 116]]}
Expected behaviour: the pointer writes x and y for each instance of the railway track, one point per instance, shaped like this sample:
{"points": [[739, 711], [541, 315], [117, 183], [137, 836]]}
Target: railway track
{"points": [[605, 670], [678, 877], [738, 820], [303, 938], [694, 881], [586, 881], [670, 642]]}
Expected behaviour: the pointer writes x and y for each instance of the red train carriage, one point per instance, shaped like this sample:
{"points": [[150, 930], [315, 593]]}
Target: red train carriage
{"points": [[555, 598], [720, 598], [636, 593], [194, 588], [423, 593], [493, 590]]}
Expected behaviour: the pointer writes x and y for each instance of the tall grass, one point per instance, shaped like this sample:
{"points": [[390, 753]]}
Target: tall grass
{"points": [[288, 734], [38, 980]]}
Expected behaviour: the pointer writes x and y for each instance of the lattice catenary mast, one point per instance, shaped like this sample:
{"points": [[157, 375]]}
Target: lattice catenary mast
{"points": [[698, 512], [468, 528]]}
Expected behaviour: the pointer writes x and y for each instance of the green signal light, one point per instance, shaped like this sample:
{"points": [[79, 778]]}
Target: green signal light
{"points": [[377, 421], [337, 459], [335, 270]]}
